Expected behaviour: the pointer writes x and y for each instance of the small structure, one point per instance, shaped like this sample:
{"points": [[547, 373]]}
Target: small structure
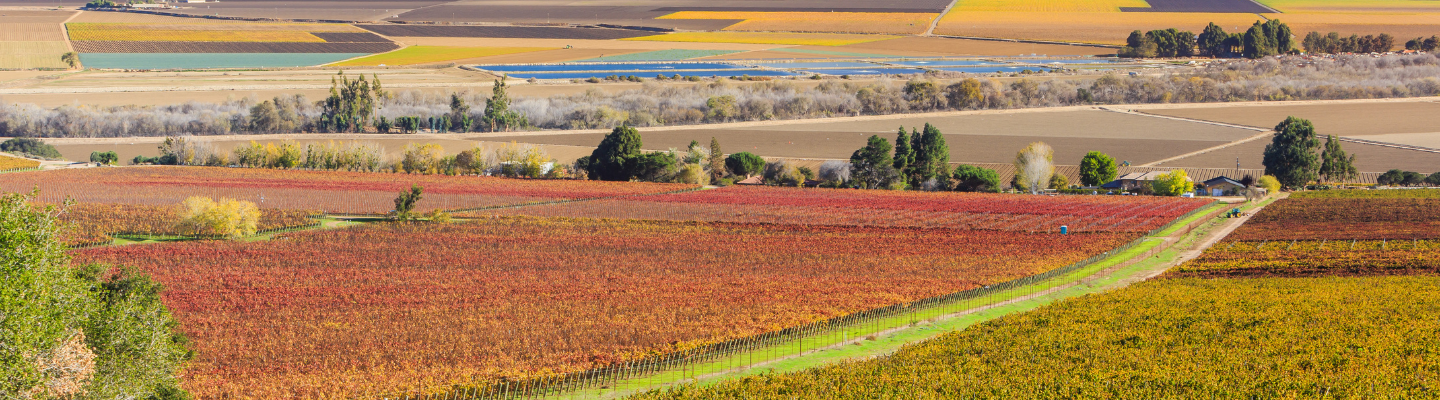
{"points": [[1134, 180], [1223, 186], [754, 180]]}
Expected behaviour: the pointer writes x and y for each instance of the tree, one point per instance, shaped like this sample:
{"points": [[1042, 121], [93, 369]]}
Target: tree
{"points": [[459, 114], [834, 173], [498, 115], [1033, 167], [1270, 184], [1058, 181], [421, 158], [970, 178], [1413, 178], [1173, 183], [228, 218], [1097, 169], [87, 331], [70, 58], [744, 164], [611, 160], [717, 160], [903, 153], [1391, 177], [931, 158], [966, 94], [264, 118], [405, 203], [349, 106], [720, 108], [1433, 179], [1212, 41], [872, 166], [30, 146], [1291, 157], [1334, 164], [924, 95], [1267, 39], [104, 157]]}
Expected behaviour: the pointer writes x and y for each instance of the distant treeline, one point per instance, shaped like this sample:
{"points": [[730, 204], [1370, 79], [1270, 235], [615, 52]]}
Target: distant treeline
{"points": [[355, 108], [1261, 40]]}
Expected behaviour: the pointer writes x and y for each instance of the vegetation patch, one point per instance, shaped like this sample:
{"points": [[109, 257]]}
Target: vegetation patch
{"points": [[434, 54], [25, 55], [838, 22], [811, 39], [209, 60], [8, 163]]}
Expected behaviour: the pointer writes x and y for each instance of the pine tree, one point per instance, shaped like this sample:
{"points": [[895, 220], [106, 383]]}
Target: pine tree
{"points": [[903, 153], [931, 158], [1335, 166], [717, 160]]}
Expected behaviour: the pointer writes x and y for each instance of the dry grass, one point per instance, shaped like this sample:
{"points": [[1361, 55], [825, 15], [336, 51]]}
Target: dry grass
{"points": [[433, 54], [31, 32], [25, 55], [810, 39], [1047, 5], [8, 17], [1093, 27], [832, 22]]}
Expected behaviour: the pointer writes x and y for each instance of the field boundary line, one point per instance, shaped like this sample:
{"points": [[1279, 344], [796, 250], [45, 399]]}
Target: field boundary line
{"points": [[1207, 150], [1103, 46], [1387, 144], [66, 30], [1183, 119], [936, 22]]}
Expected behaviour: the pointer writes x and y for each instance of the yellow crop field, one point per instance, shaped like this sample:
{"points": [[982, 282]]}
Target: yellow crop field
{"points": [[433, 54], [25, 55], [245, 26], [830, 22], [1103, 28], [193, 36], [8, 163], [799, 39], [1046, 5]]}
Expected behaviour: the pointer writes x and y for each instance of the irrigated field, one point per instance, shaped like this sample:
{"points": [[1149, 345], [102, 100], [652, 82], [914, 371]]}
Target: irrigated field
{"points": [[835, 22], [434, 54], [772, 205], [811, 39], [333, 192], [422, 307], [1172, 338]]}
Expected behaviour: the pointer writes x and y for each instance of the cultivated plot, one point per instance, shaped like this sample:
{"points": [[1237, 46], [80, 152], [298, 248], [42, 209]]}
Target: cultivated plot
{"points": [[1348, 119], [1368, 157]]}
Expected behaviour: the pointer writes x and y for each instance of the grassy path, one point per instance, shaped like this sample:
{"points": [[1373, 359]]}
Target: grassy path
{"points": [[1154, 255]]}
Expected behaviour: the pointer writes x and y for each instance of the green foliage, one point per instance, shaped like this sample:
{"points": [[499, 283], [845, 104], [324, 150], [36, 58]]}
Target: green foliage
{"points": [[721, 108], [1058, 181], [1159, 43], [612, 159], [1333, 43], [655, 166], [1097, 169], [44, 301], [1267, 39], [1268, 182], [405, 203], [1214, 42], [931, 157], [104, 157], [349, 106], [1173, 183], [1159, 339], [1397, 177], [498, 115], [717, 160], [30, 146], [744, 164], [871, 166], [903, 153], [971, 178], [1291, 157], [1335, 166]]}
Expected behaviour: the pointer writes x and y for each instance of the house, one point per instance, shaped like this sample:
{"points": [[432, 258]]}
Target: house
{"points": [[1223, 186], [1134, 180], [753, 180]]}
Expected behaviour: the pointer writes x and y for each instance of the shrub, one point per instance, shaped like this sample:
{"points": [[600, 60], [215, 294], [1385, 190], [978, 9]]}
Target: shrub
{"points": [[1173, 183], [1270, 184], [744, 164], [30, 146], [228, 217]]}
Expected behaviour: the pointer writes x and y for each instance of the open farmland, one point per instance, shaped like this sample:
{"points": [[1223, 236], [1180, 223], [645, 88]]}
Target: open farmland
{"points": [[210, 60], [1404, 122], [96, 223], [515, 32], [839, 207], [8, 163], [835, 22], [32, 39], [498, 287], [1345, 6], [332, 192], [32, 54], [811, 39], [434, 54], [1368, 157], [1172, 338], [344, 10]]}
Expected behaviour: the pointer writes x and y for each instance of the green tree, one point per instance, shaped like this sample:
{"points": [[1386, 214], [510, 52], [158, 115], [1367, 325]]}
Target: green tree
{"points": [[350, 104], [498, 115], [744, 164], [931, 159], [459, 114], [871, 166], [1267, 39], [70, 58], [104, 157], [1059, 181], [1335, 165], [1097, 169], [1291, 157], [405, 203], [721, 108], [903, 153], [1213, 42], [30, 146], [611, 160], [1173, 183], [970, 178], [656, 166], [717, 160]]}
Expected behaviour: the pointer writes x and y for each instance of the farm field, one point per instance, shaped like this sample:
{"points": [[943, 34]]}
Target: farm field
{"points": [[434, 54], [503, 32], [1187, 338], [1357, 119], [209, 60], [32, 54], [809, 39], [128, 148], [839, 207], [350, 10], [1344, 219], [1344, 6], [498, 285], [836, 22], [331, 192], [94, 223], [8, 163], [1369, 157]]}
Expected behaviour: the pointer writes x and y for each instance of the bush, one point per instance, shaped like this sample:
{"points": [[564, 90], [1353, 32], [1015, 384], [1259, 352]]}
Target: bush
{"points": [[106, 157], [30, 146], [744, 164], [1173, 183], [1270, 184], [228, 217]]}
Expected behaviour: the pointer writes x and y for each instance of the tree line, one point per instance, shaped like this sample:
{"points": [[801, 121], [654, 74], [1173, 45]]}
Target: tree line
{"points": [[1344, 77], [1263, 39]]}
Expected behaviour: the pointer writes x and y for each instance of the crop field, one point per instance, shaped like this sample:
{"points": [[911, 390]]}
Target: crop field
{"points": [[1171, 338], [1369, 194], [332, 192], [8, 163], [1350, 119], [95, 223], [155, 35], [254, 48], [1347, 6], [1344, 219], [335, 313], [661, 55], [811, 39], [434, 54], [24, 55], [516, 32], [221, 38], [209, 60], [1370, 159], [772, 205], [835, 22], [1046, 6], [31, 32], [1085, 27]]}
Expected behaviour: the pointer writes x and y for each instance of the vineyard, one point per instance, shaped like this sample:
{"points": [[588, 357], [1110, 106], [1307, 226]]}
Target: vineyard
{"points": [[331, 192], [776, 205], [8, 163], [335, 312], [434, 54], [96, 223], [1173, 338]]}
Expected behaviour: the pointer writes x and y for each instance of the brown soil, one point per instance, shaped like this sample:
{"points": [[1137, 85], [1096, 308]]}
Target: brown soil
{"points": [[1039, 123], [505, 31], [1354, 119], [9, 17], [579, 44], [966, 47], [1368, 158], [30, 32], [230, 47], [394, 146]]}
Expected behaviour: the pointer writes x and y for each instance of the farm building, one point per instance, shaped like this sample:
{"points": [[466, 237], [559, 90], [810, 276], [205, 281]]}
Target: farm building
{"points": [[1223, 186], [1134, 180]]}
